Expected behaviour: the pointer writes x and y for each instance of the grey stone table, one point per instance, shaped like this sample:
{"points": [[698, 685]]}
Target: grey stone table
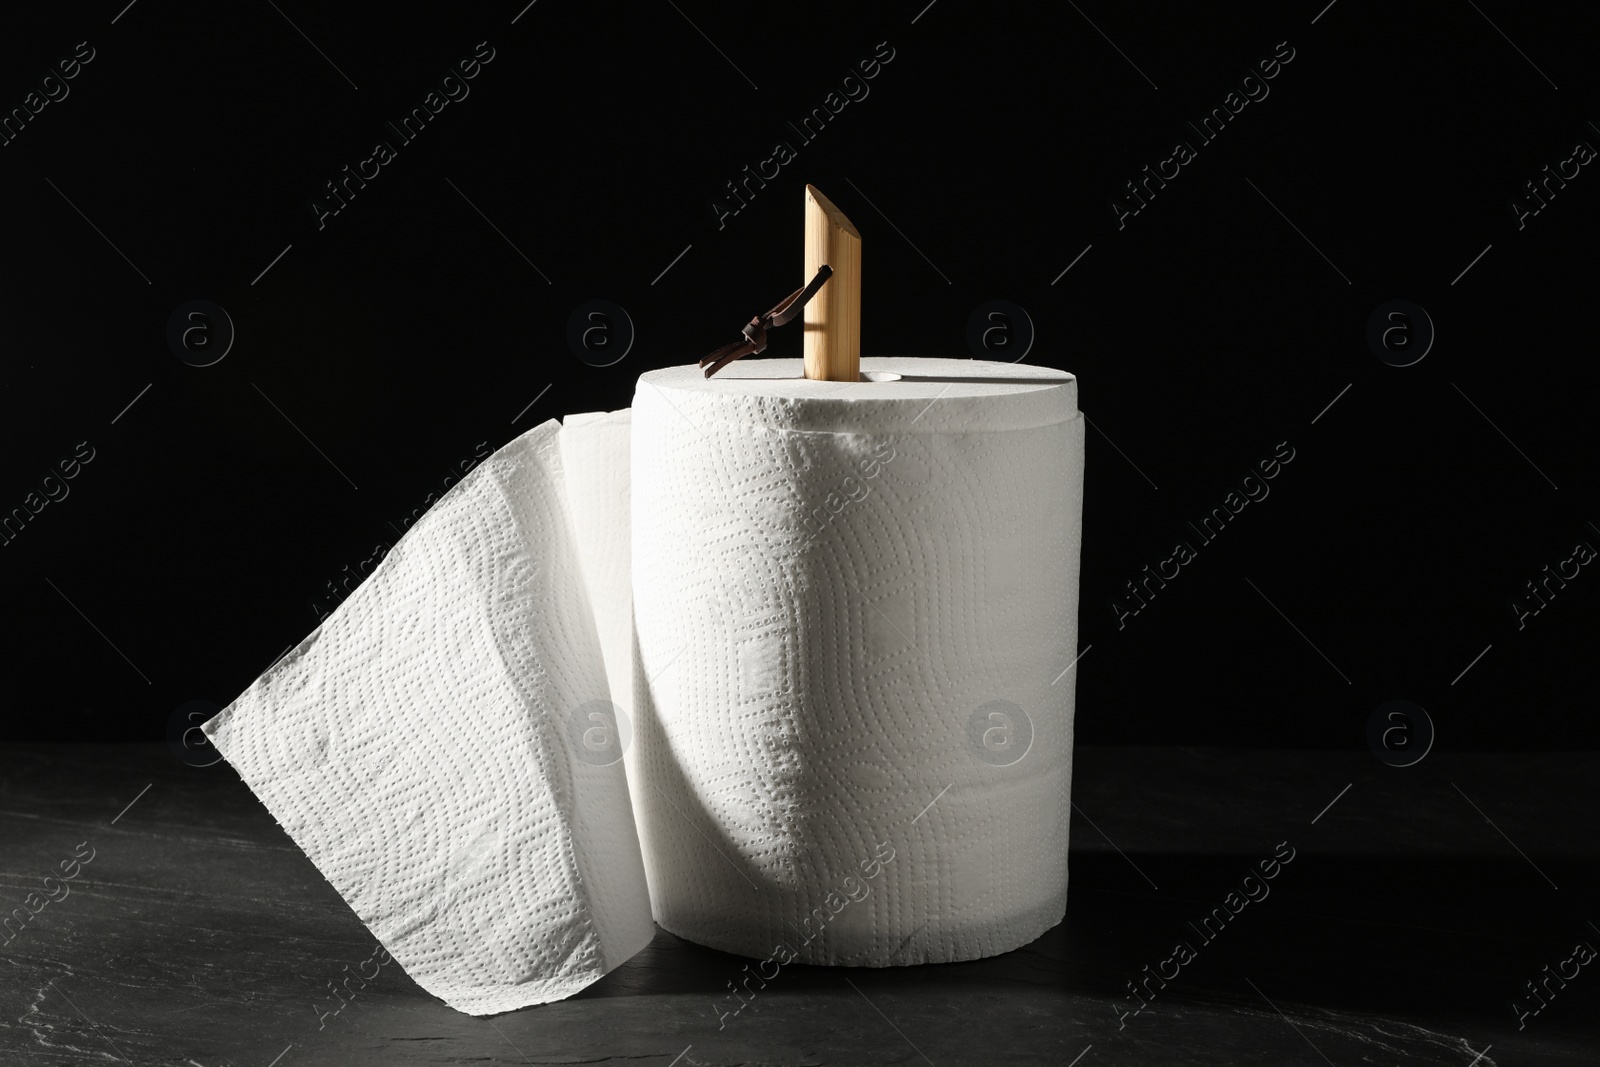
{"points": [[1416, 907]]}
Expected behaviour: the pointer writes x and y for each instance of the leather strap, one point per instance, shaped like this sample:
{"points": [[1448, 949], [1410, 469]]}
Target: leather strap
{"points": [[755, 331]]}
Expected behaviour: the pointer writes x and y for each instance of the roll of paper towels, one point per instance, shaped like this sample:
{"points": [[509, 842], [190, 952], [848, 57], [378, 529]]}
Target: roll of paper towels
{"points": [[826, 627]]}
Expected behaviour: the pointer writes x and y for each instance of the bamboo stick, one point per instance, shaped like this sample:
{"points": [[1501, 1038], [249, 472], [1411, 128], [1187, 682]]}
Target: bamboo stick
{"points": [[833, 317]]}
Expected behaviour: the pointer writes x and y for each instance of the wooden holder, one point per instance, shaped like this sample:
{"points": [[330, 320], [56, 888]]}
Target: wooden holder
{"points": [[833, 317]]}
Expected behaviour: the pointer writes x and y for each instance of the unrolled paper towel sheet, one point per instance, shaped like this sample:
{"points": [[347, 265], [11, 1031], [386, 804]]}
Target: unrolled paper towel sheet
{"points": [[823, 624], [417, 746]]}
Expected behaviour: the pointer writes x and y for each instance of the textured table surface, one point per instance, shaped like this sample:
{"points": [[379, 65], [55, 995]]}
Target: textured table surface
{"points": [[1418, 905]]}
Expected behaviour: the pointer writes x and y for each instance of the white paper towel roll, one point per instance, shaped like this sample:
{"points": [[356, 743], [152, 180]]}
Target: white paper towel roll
{"points": [[852, 605], [834, 653]]}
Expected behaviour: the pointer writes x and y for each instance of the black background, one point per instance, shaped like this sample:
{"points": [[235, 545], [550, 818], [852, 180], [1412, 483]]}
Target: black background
{"points": [[194, 547]]}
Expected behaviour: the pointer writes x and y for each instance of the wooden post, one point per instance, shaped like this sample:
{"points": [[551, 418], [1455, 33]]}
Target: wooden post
{"points": [[833, 317]]}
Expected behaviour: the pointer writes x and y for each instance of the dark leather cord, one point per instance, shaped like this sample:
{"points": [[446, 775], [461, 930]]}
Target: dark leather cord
{"points": [[755, 331]]}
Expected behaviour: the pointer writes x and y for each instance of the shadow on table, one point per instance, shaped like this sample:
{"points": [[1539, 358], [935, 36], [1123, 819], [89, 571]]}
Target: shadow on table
{"points": [[1442, 939]]}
